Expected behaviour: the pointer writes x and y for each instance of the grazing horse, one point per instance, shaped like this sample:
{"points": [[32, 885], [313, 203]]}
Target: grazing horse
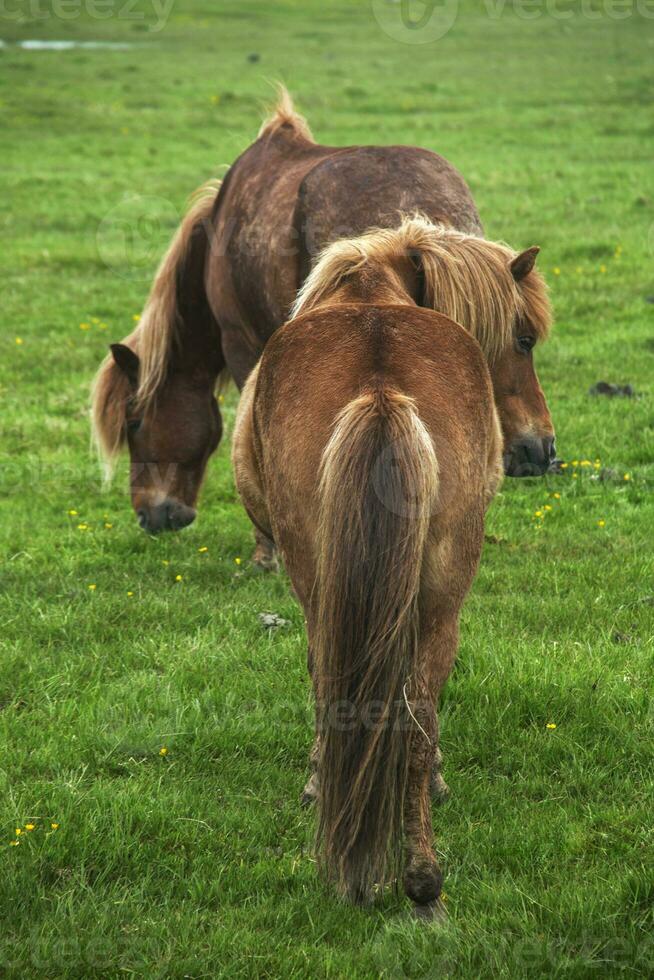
{"points": [[368, 446], [228, 282]]}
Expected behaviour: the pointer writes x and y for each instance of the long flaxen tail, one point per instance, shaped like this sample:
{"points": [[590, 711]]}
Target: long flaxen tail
{"points": [[379, 482]]}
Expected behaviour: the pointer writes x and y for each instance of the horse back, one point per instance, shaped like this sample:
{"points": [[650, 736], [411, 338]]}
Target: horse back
{"points": [[318, 363]]}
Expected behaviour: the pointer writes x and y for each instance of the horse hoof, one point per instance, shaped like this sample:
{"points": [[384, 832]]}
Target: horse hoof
{"points": [[265, 562], [423, 881], [431, 912], [310, 792], [440, 791]]}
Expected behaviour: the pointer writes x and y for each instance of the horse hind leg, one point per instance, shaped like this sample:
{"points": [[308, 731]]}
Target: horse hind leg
{"points": [[265, 554], [422, 878], [438, 788]]}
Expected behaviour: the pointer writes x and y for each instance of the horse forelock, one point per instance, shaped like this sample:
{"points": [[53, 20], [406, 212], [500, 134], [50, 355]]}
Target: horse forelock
{"points": [[467, 278]]}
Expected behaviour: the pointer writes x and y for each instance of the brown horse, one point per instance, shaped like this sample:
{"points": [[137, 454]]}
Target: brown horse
{"points": [[373, 480], [228, 282]]}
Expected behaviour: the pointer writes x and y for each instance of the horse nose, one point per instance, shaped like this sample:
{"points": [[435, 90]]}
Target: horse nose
{"points": [[529, 457], [549, 448], [169, 515]]}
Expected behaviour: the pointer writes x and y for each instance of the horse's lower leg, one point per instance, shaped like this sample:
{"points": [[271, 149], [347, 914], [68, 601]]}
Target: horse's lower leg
{"points": [[422, 876], [264, 553], [312, 788], [437, 786]]}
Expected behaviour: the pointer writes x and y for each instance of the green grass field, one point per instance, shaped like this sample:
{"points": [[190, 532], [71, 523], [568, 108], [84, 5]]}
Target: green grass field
{"points": [[154, 721]]}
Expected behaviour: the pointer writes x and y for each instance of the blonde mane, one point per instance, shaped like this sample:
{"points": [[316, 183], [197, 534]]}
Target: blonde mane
{"points": [[153, 340], [467, 278], [284, 114]]}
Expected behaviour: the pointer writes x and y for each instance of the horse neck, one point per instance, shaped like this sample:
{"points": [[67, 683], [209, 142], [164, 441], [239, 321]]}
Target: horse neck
{"points": [[381, 284], [197, 348]]}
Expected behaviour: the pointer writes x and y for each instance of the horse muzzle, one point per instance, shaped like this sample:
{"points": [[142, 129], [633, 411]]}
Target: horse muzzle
{"points": [[169, 515], [530, 457]]}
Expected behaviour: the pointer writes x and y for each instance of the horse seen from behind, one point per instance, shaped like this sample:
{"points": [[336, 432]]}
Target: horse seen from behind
{"points": [[368, 445]]}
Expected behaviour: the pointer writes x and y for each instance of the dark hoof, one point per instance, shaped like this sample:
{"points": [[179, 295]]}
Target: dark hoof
{"points": [[310, 792], [423, 882], [440, 791], [432, 912], [265, 562]]}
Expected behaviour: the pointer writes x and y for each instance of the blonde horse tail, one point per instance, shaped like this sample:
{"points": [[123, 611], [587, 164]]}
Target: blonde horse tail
{"points": [[379, 481]]}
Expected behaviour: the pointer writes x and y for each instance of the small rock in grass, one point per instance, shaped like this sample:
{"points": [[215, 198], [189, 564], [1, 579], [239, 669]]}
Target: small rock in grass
{"points": [[271, 621], [254, 57], [612, 390]]}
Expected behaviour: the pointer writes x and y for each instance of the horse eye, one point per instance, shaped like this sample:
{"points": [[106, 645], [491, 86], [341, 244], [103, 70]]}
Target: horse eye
{"points": [[133, 425], [525, 344]]}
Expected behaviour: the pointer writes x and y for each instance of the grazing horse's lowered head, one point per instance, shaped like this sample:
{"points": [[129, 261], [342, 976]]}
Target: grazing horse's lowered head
{"points": [[496, 293], [155, 391]]}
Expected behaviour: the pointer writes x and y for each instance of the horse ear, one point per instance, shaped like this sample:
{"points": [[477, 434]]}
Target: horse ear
{"points": [[523, 263], [127, 361]]}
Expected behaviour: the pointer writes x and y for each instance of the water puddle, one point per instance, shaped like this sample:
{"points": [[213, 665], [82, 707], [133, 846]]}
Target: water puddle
{"points": [[69, 45]]}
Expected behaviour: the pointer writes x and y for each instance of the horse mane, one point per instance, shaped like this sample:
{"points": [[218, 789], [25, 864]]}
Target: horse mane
{"points": [[153, 339], [284, 115], [467, 278]]}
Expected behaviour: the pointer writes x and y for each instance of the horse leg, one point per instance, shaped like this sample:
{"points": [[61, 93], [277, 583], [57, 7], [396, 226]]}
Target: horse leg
{"points": [[422, 876], [264, 556], [438, 788], [312, 788]]}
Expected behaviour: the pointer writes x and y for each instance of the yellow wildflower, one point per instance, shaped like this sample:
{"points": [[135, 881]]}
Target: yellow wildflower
{"points": [[92, 587], [538, 513], [238, 561], [178, 578], [165, 562], [29, 826], [602, 268], [19, 831], [551, 726], [627, 476], [136, 317], [73, 513], [564, 466], [54, 826], [547, 507], [19, 340], [14, 843], [82, 527], [130, 593], [575, 462], [108, 526], [557, 496], [85, 326], [601, 523], [556, 270], [163, 750], [203, 549]]}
